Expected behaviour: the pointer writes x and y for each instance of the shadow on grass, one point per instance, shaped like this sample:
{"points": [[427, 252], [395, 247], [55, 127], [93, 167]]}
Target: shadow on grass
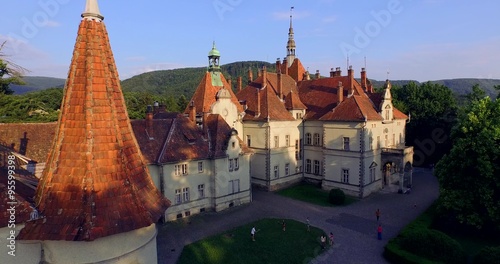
{"points": [[312, 194], [271, 245]]}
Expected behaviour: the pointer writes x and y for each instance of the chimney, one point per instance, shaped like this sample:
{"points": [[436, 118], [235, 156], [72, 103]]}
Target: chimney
{"points": [[250, 75], [230, 82], [317, 75], [285, 62], [350, 74], [363, 79], [280, 85], [306, 76], [332, 73], [278, 65], [340, 92], [259, 72], [192, 112], [338, 71], [149, 113], [240, 83], [264, 76], [149, 121], [258, 103]]}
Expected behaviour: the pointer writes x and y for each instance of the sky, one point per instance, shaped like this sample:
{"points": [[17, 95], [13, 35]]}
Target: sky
{"points": [[397, 39]]}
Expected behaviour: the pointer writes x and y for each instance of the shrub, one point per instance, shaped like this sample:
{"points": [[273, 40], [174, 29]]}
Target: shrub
{"points": [[488, 255], [336, 196], [432, 244]]}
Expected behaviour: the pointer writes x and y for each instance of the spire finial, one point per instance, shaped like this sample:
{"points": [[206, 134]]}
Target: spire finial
{"points": [[291, 16], [92, 11]]}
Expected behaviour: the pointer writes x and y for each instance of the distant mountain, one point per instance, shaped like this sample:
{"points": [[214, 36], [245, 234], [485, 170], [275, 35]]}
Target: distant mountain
{"points": [[184, 81], [37, 83], [459, 86]]}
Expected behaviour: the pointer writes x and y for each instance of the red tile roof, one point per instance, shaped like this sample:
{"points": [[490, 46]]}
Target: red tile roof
{"points": [[296, 70], [206, 95], [377, 99], [293, 102], [320, 95], [219, 134], [96, 182], [271, 107], [31, 140], [23, 197], [355, 108]]}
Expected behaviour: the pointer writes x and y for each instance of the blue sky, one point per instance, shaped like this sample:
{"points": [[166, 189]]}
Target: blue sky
{"points": [[420, 40]]}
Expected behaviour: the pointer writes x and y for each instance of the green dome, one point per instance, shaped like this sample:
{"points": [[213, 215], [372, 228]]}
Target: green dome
{"points": [[214, 52]]}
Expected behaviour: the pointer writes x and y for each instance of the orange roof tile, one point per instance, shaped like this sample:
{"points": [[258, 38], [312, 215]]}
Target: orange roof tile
{"points": [[292, 101], [296, 70], [96, 182], [271, 107], [206, 94], [26, 138]]}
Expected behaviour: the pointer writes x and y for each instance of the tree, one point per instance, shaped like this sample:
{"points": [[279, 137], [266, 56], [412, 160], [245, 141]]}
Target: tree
{"points": [[10, 73], [469, 175], [433, 111], [182, 103]]}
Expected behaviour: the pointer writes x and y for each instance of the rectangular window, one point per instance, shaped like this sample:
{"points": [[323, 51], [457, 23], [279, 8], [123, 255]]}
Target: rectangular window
{"points": [[185, 194], [276, 171], [200, 166], [178, 196], [346, 143], [316, 167], [296, 150], [317, 141], [231, 165], [372, 174], [287, 169], [249, 140], [234, 186], [180, 169], [276, 141], [201, 191], [308, 166], [371, 143], [236, 164], [345, 175], [287, 140], [300, 149], [308, 139]]}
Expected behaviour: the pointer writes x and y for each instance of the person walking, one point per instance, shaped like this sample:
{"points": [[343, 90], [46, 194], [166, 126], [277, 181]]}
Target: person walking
{"points": [[307, 223], [252, 233], [379, 232], [284, 225], [377, 214], [331, 239], [323, 242]]}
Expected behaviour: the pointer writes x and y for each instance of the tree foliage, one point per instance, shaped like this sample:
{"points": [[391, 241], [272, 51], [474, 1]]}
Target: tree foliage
{"points": [[10, 73], [432, 108], [469, 175]]}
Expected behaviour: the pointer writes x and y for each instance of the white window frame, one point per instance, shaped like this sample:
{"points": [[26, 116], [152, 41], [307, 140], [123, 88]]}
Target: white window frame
{"points": [[308, 166], [178, 197], [346, 142], [201, 191], [276, 171], [200, 166], [287, 169], [316, 167], [180, 169], [316, 139], [308, 139], [230, 165], [236, 164], [185, 194], [345, 176], [287, 140]]}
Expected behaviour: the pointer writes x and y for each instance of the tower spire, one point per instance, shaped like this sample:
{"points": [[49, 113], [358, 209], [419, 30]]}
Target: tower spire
{"points": [[290, 47], [92, 11]]}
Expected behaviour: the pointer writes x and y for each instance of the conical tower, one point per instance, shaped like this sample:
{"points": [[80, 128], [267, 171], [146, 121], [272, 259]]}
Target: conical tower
{"points": [[290, 45], [96, 182]]}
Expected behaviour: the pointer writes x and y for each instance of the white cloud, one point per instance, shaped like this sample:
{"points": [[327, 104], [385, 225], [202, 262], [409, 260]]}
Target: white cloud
{"points": [[329, 19]]}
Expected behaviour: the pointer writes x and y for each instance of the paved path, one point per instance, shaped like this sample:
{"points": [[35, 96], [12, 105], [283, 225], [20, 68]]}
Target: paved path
{"points": [[354, 226]]}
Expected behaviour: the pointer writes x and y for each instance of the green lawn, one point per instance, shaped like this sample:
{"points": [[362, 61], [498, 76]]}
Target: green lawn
{"points": [[271, 245], [311, 194]]}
